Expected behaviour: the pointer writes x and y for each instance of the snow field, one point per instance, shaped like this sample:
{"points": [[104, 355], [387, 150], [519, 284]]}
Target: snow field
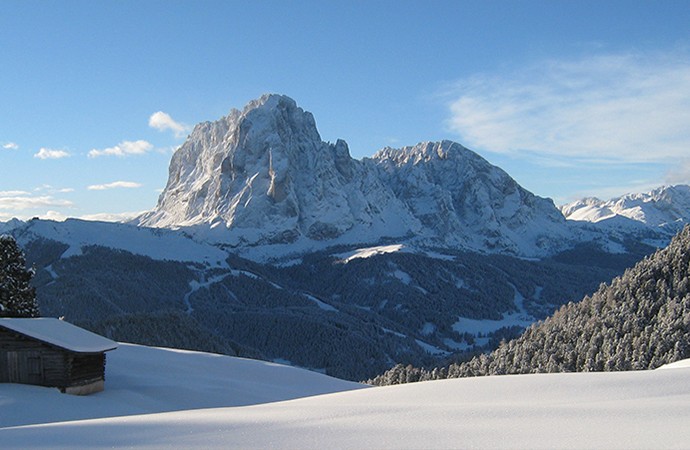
{"points": [[155, 243], [146, 380], [647, 409]]}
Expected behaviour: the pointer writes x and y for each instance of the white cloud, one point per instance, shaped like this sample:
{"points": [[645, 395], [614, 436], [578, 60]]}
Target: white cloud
{"points": [[52, 190], [124, 148], [114, 185], [19, 202], [167, 150], [47, 153], [680, 173], [162, 121], [13, 193], [10, 146], [54, 215], [11, 202], [614, 108], [112, 217]]}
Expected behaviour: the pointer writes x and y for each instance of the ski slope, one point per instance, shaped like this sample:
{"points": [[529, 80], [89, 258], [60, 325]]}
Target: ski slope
{"points": [[158, 398]]}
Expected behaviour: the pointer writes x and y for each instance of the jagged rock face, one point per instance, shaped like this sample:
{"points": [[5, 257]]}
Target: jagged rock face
{"points": [[466, 200], [264, 176]]}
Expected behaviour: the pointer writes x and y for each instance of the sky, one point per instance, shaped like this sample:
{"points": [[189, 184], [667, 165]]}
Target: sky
{"points": [[571, 98]]}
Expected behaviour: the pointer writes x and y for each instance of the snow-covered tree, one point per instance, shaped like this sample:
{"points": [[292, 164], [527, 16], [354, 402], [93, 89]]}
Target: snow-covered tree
{"points": [[641, 320], [17, 296]]}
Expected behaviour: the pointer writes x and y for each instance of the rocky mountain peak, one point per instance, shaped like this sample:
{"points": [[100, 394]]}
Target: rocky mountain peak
{"points": [[470, 201], [273, 113], [427, 151], [263, 176]]}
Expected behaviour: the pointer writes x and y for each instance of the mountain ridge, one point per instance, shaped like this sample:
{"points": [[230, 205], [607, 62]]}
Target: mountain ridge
{"points": [[263, 176], [665, 207], [477, 205], [266, 175]]}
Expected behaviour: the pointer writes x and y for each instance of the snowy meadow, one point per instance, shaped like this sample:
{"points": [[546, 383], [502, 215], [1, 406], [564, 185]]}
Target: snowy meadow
{"points": [[163, 398]]}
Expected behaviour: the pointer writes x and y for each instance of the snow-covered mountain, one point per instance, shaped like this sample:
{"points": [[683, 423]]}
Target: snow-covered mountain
{"points": [[667, 207], [369, 306], [464, 202], [368, 255], [263, 176], [76, 235]]}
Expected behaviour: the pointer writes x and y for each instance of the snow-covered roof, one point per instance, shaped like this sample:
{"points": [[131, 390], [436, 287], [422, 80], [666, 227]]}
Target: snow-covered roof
{"points": [[60, 333]]}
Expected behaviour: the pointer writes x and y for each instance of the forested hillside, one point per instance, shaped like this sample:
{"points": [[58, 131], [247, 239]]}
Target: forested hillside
{"points": [[641, 320], [351, 318]]}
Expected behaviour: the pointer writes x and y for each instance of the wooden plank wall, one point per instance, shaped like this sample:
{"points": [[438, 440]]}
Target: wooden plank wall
{"points": [[59, 367]]}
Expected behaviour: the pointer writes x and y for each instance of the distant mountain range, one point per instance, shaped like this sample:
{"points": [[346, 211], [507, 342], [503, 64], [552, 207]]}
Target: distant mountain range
{"points": [[269, 242], [665, 207], [262, 183]]}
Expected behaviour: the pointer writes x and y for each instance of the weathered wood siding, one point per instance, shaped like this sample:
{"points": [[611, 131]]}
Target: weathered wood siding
{"points": [[29, 361]]}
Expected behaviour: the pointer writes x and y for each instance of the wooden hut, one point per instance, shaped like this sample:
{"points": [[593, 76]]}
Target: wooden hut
{"points": [[54, 353]]}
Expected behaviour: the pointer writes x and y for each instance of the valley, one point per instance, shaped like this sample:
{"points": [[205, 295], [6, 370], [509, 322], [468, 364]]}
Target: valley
{"points": [[270, 243]]}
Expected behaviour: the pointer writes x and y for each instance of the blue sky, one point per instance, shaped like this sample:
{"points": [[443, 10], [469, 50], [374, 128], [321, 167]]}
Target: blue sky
{"points": [[571, 98]]}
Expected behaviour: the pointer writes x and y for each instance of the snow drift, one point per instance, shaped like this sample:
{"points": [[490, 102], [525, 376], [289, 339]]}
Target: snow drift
{"points": [[223, 402]]}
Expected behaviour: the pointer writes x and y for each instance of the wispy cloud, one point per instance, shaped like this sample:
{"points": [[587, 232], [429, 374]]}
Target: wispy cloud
{"points": [[124, 148], [680, 173], [52, 189], [167, 150], [611, 108], [13, 193], [10, 146], [11, 202], [21, 202], [162, 122], [54, 215], [47, 153], [114, 185], [112, 217]]}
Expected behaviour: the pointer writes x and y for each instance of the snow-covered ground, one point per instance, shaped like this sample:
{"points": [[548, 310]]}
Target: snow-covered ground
{"points": [[144, 380], [483, 327], [158, 244], [158, 398], [368, 252]]}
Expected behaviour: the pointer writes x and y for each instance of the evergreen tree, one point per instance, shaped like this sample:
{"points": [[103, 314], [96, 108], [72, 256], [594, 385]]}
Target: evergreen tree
{"points": [[641, 320], [17, 296]]}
